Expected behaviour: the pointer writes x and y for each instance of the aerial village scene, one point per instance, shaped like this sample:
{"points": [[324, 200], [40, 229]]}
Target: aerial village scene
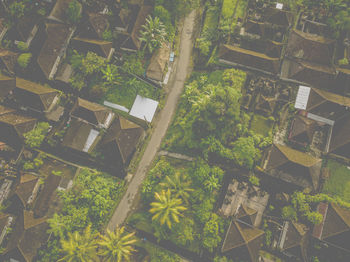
{"points": [[175, 130]]}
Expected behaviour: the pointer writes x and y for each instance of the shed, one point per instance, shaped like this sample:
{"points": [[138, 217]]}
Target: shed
{"points": [[158, 63], [302, 130], [144, 108]]}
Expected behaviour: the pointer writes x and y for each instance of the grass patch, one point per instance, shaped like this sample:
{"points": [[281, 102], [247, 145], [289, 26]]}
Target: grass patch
{"points": [[261, 125], [339, 182]]}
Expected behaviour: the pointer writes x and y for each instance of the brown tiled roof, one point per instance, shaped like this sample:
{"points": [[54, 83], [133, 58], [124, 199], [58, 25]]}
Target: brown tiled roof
{"points": [[58, 12], [124, 135], [89, 111], [26, 24], [327, 96], [298, 166], [3, 220], [7, 84], [296, 240], [6, 110], [246, 214], [133, 41], [340, 140], [26, 187], [57, 37], [77, 134], [249, 58], [9, 59], [302, 129], [242, 235], [335, 227], [158, 62], [100, 47], [28, 236], [312, 48], [34, 95], [16, 120], [254, 27], [278, 16]]}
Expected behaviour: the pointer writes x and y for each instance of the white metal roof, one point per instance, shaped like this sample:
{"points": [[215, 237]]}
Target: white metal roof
{"points": [[302, 97], [144, 108]]}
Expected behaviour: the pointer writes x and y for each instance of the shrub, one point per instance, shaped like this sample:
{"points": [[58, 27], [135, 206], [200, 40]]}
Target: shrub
{"points": [[35, 137], [22, 46], [24, 59], [73, 12]]}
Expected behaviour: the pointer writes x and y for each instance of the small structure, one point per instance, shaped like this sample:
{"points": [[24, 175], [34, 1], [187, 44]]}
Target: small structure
{"points": [[311, 48], [339, 143], [232, 55], [120, 141], [93, 113], [80, 136], [100, 47], [242, 241], [57, 37], [158, 64], [292, 166], [7, 84], [35, 96], [144, 108], [335, 227], [294, 240], [8, 60], [302, 130], [28, 235]]}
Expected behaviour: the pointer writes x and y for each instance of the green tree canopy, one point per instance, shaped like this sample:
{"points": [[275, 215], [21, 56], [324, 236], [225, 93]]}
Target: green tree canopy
{"points": [[73, 12], [24, 59], [153, 33], [35, 137]]}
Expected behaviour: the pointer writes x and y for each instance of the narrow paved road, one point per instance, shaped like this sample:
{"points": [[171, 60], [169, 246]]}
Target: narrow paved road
{"points": [[176, 86]]}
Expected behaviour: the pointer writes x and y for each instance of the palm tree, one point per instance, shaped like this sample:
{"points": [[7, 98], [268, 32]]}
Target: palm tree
{"points": [[110, 74], [116, 246], [179, 185], [79, 248], [153, 33], [166, 209], [212, 183]]}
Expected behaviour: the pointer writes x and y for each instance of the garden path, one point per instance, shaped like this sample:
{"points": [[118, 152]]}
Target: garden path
{"points": [[176, 85]]}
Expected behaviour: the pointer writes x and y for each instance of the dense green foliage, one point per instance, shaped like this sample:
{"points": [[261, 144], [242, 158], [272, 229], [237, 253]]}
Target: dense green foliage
{"points": [[73, 11], [24, 59], [153, 33], [35, 137]]}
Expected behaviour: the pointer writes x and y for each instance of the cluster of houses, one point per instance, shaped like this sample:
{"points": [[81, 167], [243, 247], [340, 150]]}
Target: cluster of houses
{"points": [[79, 129], [300, 56]]}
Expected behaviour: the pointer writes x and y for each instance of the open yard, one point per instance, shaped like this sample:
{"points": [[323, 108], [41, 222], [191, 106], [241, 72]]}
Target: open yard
{"points": [[338, 183], [261, 125]]}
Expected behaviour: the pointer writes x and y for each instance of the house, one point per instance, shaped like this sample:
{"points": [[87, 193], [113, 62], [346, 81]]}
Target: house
{"points": [[96, 25], [26, 28], [321, 105], [311, 48], [13, 126], [242, 241], [100, 47], [126, 17], [292, 166], [232, 55], [93, 113], [8, 60], [130, 39], [58, 12], [158, 63], [57, 37], [339, 143], [80, 136], [335, 227], [28, 235], [7, 84], [294, 241], [64, 73], [120, 141], [35, 96], [315, 75], [302, 130]]}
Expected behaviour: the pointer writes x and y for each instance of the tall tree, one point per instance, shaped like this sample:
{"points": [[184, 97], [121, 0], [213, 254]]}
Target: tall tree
{"points": [[79, 247], [110, 74], [153, 33], [166, 209], [179, 185], [116, 246]]}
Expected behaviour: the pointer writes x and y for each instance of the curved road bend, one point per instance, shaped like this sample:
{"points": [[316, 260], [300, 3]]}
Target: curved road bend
{"points": [[176, 87]]}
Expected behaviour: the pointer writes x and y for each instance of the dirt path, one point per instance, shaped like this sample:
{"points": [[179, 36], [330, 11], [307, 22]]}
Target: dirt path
{"points": [[176, 86]]}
